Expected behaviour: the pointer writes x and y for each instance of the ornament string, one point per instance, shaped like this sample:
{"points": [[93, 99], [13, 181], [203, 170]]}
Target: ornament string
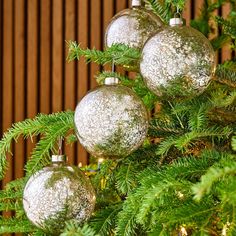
{"points": [[60, 140]]}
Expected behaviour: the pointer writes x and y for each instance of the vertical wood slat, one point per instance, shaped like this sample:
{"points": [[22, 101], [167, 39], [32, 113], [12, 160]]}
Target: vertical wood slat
{"points": [[8, 76], [95, 39], [19, 82], [108, 13], [32, 65], [83, 72], [197, 7], [187, 12], [45, 56], [226, 52], [70, 95], [121, 4], [57, 60]]}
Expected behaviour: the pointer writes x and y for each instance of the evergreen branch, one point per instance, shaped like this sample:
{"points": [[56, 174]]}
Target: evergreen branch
{"points": [[159, 128], [38, 232], [28, 128], [10, 200], [154, 197], [126, 218], [119, 54], [16, 185], [202, 22], [166, 145], [164, 12], [179, 4], [197, 212], [214, 132], [74, 229], [223, 116], [185, 140], [215, 173], [192, 168], [234, 143], [41, 154], [198, 117], [220, 41], [14, 225], [126, 177], [226, 74], [105, 220], [229, 27], [159, 230], [223, 98], [176, 114]]}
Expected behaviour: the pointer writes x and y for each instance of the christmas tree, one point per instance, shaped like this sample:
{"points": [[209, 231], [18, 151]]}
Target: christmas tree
{"points": [[181, 180]]}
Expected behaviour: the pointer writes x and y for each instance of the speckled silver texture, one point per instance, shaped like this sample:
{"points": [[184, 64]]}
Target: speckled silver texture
{"points": [[177, 51], [132, 27], [56, 194], [111, 121]]}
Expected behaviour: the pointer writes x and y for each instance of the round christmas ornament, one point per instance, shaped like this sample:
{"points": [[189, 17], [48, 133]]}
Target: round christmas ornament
{"points": [[111, 120], [58, 193], [132, 27], [177, 53]]}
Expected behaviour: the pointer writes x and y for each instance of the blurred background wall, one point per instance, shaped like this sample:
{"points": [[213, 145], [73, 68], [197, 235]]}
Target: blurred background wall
{"points": [[34, 75]]}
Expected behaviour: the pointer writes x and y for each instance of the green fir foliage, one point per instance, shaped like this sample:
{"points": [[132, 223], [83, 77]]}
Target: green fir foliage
{"points": [[184, 174]]}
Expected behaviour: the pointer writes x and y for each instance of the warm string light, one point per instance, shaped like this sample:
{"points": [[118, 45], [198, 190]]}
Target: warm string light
{"points": [[183, 231], [225, 229]]}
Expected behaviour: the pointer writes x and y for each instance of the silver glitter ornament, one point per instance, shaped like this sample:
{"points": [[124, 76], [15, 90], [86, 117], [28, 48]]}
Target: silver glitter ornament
{"points": [[132, 27], [58, 193], [111, 120], [177, 53]]}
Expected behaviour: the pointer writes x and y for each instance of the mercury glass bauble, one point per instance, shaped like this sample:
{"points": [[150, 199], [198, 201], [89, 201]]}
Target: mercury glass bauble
{"points": [[111, 121], [177, 52], [132, 27], [58, 193]]}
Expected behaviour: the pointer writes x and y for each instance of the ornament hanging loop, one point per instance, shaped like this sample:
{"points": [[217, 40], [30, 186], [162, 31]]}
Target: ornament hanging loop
{"points": [[59, 158], [112, 80], [177, 20], [177, 15]]}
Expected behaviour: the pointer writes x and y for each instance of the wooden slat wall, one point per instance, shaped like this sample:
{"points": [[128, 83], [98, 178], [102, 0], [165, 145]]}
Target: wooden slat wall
{"points": [[34, 75]]}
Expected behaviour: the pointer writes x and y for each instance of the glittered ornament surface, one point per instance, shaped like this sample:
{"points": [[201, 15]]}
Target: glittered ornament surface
{"points": [[132, 27], [111, 121], [56, 194], [177, 52]]}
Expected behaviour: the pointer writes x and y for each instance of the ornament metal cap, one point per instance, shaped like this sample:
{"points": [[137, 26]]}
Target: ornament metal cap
{"points": [[111, 81], [58, 158], [136, 3], [176, 21]]}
